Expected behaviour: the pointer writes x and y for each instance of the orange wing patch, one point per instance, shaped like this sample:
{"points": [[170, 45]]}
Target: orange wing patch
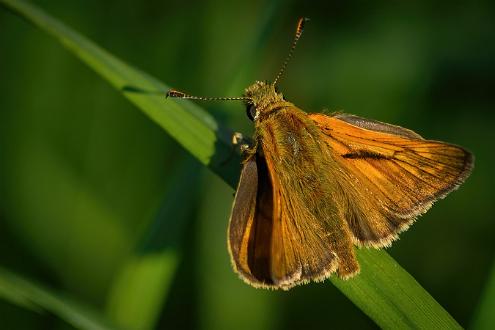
{"points": [[391, 175]]}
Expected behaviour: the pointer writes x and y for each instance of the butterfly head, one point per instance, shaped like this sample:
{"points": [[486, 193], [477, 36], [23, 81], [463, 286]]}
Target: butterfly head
{"points": [[259, 96]]}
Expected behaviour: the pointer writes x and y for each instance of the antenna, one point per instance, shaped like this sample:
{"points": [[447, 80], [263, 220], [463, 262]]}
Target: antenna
{"points": [[180, 95], [299, 30]]}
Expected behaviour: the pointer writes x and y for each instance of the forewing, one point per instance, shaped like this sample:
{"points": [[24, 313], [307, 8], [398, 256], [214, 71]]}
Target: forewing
{"points": [[391, 174]]}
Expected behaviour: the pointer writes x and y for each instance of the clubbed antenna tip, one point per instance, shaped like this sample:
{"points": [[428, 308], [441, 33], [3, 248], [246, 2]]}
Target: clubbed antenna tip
{"points": [[299, 29]]}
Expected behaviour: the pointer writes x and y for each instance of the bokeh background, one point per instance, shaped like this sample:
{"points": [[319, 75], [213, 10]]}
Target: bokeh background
{"points": [[84, 176]]}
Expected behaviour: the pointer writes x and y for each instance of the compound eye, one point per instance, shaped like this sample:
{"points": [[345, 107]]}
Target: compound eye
{"points": [[251, 111]]}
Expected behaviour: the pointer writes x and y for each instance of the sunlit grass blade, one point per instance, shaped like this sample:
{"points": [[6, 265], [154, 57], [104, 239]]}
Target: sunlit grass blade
{"points": [[391, 296], [384, 291], [24, 293], [190, 125]]}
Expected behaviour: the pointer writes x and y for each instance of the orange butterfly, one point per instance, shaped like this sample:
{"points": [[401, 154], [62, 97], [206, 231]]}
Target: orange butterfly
{"points": [[313, 186]]}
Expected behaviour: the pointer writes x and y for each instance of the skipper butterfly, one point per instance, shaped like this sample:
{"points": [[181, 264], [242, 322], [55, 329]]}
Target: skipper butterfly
{"points": [[313, 186]]}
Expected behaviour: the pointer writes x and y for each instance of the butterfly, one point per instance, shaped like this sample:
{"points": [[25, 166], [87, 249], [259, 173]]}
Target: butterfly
{"points": [[314, 186]]}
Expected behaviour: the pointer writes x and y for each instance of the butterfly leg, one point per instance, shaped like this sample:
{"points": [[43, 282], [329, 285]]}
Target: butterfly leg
{"points": [[245, 146], [237, 138]]}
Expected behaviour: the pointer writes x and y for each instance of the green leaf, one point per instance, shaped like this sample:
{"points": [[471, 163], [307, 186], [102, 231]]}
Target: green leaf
{"points": [[383, 290], [29, 295]]}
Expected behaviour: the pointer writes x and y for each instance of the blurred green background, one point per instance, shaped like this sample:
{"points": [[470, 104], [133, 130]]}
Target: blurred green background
{"points": [[100, 204]]}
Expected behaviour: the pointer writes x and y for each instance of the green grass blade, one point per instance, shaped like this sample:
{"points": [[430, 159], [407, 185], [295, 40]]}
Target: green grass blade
{"points": [[484, 314], [24, 293], [391, 296], [191, 126], [384, 291]]}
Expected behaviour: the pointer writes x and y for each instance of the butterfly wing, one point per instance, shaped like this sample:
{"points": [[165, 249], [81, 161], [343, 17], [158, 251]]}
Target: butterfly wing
{"points": [[251, 229], [283, 231], [310, 239], [250, 223], [392, 174], [318, 184]]}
